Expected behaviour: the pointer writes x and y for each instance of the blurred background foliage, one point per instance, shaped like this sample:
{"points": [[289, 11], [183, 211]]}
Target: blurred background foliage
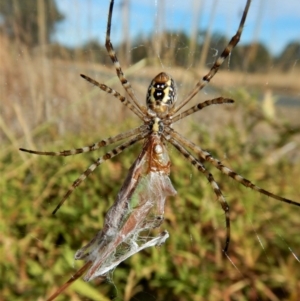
{"points": [[33, 23], [45, 105]]}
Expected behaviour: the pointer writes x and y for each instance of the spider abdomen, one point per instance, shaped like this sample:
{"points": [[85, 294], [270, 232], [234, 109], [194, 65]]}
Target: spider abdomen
{"points": [[161, 94]]}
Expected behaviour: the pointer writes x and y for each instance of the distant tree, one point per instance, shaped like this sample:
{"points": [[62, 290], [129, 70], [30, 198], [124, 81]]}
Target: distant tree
{"points": [[216, 46], [95, 52], [290, 57], [254, 57], [142, 48], [21, 19], [261, 61], [175, 49]]}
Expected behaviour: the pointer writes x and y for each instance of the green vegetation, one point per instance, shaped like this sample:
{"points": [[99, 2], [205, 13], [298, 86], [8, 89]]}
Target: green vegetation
{"points": [[37, 248], [46, 106]]}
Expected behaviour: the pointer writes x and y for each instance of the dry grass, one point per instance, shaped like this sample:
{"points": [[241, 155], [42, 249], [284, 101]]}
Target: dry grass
{"points": [[36, 90]]}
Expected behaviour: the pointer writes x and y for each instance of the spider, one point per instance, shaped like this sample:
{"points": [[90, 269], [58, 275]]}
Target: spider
{"points": [[158, 117]]}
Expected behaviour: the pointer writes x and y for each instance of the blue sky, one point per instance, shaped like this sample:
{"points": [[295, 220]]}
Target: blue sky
{"points": [[273, 22]]}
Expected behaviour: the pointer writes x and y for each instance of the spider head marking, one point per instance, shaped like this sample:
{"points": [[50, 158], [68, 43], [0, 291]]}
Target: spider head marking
{"points": [[162, 93]]}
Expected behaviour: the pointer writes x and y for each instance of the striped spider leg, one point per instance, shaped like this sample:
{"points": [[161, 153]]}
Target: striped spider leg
{"points": [[138, 134], [181, 143], [139, 207]]}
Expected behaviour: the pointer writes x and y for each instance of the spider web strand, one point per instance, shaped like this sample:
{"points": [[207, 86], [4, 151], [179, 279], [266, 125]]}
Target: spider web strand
{"points": [[116, 94]]}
